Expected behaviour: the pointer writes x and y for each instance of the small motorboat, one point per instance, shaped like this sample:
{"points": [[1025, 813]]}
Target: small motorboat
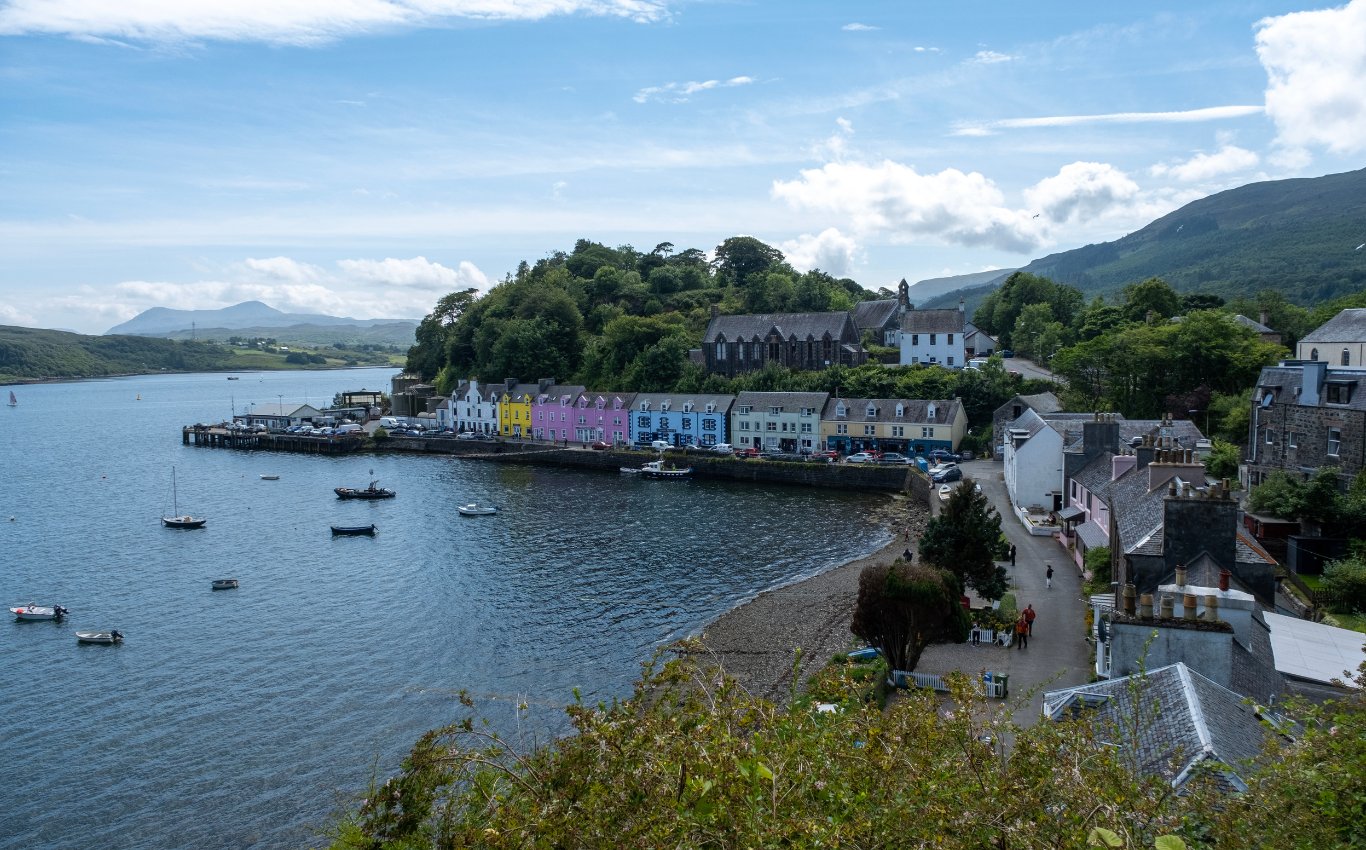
{"points": [[354, 530], [103, 638], [39, 612], [371, 492], [476, 509], [657, 469], [269, 476], [631, 470], [224, 583]]}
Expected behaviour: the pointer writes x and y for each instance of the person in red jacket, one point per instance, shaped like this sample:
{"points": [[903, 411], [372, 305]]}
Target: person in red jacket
{"points": [[1029, 616]]}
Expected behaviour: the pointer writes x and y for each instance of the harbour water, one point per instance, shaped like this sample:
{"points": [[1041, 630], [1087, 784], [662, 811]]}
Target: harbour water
{"points": [[248, 717]]}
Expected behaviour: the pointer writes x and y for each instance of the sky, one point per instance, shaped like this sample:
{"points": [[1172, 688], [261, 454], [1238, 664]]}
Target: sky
{"points": [[364, 157]]}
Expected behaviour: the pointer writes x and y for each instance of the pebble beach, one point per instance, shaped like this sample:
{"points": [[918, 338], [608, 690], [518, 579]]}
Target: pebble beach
{"points": [[756, 642]]}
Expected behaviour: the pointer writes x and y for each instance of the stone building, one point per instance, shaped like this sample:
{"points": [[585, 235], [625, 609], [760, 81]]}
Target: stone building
{"points": [[1307, 415], [734, 345], [883, 317]]}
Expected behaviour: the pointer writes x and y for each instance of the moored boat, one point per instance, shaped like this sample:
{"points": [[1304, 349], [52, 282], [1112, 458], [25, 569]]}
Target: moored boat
{"points": [[371, 492], [104, 638], [657, 469], [224, 583], [178, 521], [269, 476], [354, 530], [39, 612], [476, 509]]}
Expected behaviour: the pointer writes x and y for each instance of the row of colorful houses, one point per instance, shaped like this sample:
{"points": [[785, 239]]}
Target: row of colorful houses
{"points": [[779, 421]]}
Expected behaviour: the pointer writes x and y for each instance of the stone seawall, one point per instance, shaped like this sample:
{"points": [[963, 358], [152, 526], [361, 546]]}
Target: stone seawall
{"points": [[839, 475]]}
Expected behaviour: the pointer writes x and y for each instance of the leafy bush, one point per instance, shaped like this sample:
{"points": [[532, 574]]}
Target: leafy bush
{"points": [[1346, 580]]}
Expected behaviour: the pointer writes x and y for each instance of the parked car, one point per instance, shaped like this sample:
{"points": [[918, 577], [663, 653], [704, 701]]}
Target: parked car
{"points": [[723, 448], [943, 456], [601, 446], [953, 473], [660, 445], [467, 435], [1007, 353], [827, 454], [860, 457], [895, 458], [746, 451]]}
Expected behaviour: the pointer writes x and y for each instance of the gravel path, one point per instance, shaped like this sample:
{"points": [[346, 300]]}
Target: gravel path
{"points": [[757, 641]]}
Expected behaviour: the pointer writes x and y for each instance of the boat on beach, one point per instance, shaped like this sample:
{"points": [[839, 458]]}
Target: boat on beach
{"points": [[354, 530], [102, 638], [371, 492], [476, 509], [39, 612], [224, 583]]}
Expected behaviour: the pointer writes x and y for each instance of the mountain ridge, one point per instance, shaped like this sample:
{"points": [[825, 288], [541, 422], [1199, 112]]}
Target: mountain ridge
{"points": [[165, 321]]}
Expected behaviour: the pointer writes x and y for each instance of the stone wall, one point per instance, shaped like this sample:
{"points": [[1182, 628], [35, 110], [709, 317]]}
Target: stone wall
{"points": [[1310, 425]]}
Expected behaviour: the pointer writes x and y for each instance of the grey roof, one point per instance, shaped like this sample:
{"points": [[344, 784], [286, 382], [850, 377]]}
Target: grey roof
{"points": [[1091, 536], [933, 321], [1041, 402], [1170, 720], [1137, 513], [1096, 474], [1070, 425], [1347, 326], [788, 325], [721, 401], [787, 401], [555, 391], [913, 410], [874, 314], [1252, 323], [1283, 380], [1026, 425], [607, 396]]}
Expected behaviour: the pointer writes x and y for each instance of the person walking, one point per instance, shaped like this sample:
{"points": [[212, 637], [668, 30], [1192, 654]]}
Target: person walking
{"points": [[1012, 554], [1021, 633], [1048, 577], [1029, 616]]}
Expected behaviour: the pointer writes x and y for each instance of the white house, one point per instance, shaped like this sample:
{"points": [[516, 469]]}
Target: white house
{"points": [[1339, 342], [933, 337], [476, 407], [1033, 462]]}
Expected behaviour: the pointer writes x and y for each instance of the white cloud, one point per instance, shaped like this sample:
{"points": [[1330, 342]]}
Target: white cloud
{"points": [[964, 209], [925, 49], [857, 27], [299, 22], [418, 272], [680, 92], [830, 251], [1227, 160], [1212, 113], [283, 268], [991, 57], [1316, 65], [1080, 191], [838, 144]]}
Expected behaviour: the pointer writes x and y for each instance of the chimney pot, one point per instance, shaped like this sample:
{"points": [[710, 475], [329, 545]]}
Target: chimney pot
{"points": [[1129, 598], [1224, 576], [1188, 606], [1145, 606], [1212, 608], [1166, 607], [1180, 575]]}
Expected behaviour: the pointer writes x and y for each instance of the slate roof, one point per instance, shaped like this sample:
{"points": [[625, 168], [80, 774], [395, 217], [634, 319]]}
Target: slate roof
{"points": [[554, 391], [757, 325], [1284, 380], [1096, 474], [607, 396], [1137, 513], [1029, 422], [1092, 536], [933, 321], [789, 402], [1183, 719], [1347, 326], [1252, 323], [915, 410], [1044, 402], [874, 314], [721, 401], [1184, 431]]}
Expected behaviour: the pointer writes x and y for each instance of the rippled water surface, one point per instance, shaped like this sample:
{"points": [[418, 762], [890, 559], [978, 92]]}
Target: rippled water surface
{"points": [[245, 718]]}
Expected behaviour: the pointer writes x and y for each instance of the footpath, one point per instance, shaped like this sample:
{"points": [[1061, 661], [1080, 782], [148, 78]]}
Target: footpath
{"points": [[1058, 655]]}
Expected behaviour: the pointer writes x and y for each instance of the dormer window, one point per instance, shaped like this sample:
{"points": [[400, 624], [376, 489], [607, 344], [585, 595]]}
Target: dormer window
{"points": [[931, 411], [1339, 393], [900, 410], [744, 410], [711, 408], [840, 410], [664, 405], [1346, 357], [872, 411], [644, 407], [687, 407], [775, 410]]}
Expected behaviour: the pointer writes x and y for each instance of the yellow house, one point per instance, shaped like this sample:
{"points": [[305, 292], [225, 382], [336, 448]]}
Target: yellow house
{"points": [[514, 410], [906, 425]]}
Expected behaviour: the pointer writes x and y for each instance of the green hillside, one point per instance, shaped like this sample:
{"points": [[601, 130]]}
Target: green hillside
{"points": [[30, 353], [400, 334], [1298, 237]]}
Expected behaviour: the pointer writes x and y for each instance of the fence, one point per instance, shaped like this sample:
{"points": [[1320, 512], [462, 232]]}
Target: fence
{"points": [[994, 685]]}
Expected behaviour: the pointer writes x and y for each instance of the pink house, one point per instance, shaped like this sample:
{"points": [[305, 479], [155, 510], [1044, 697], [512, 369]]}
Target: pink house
{"points": [[603, 416], [552, 413]]}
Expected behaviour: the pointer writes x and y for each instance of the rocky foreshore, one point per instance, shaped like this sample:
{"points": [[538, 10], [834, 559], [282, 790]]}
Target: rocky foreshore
{"points": [[757, 642]]}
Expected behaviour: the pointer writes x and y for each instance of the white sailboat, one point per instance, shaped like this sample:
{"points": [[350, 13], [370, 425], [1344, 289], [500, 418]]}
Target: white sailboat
{"points": [[176, 520], [13, 402]]}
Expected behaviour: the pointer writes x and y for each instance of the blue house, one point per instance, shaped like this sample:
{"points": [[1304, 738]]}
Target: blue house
{"points": [[680, 420]]}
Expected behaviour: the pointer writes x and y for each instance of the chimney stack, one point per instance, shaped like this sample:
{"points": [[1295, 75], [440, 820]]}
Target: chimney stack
{"points": [[1224, 575]]}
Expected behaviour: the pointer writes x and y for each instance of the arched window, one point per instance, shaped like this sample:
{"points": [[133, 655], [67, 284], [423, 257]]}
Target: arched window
{"points": [[1346, 357], [1313, 354]]}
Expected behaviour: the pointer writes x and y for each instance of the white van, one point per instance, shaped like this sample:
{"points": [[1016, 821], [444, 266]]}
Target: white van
{"points": [[661, 445], [348, 429], [388, 422]]}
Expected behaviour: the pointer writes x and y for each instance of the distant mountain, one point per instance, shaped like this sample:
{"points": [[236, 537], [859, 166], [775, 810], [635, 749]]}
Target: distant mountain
{"points": [[163, 321], [1298, 237], [933, 287]]}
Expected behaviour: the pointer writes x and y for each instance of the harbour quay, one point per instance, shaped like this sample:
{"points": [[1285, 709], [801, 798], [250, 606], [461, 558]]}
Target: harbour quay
{"points": [[220, 437]]}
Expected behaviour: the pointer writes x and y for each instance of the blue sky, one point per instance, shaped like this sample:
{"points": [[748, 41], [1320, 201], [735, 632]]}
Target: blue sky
{"points": [[364, 157]]}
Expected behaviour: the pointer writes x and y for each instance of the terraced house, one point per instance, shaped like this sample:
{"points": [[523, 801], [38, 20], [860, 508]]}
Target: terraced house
{"points": [[514, 406], [777, 422], [476, 407], [603, 417], [906, 425], [552, 413], [679, 419]]}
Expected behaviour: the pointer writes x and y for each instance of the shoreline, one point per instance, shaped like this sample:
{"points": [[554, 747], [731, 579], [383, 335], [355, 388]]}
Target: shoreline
{"points": [[755, 641]]}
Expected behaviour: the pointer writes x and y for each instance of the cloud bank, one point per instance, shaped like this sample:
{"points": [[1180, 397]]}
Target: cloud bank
{"points": [[1316, 68]]}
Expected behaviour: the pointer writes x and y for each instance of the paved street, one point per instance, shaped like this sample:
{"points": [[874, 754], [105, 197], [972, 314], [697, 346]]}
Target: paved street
{"points": [[1058, 655]]}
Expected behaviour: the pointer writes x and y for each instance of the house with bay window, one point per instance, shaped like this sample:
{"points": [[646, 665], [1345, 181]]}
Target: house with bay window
{"points": [[679, 419], [906, 425], [603, 416], [552, 412], [777, 422]]}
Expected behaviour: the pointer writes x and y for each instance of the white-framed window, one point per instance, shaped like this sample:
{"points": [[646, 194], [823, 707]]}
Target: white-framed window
{"points": [[744, 408], [933, 338], [872, 410], [842, 428], [898, 430], [840, 410], [1292, 439], [900, 410], [771, 426], [1334, 441], [806, 427], [1270, 438], [927, 433], [775, 410], [869, 430], [744, 425]]}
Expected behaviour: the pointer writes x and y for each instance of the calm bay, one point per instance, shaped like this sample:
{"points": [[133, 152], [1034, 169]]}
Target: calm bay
{"points": [[248, 717]]}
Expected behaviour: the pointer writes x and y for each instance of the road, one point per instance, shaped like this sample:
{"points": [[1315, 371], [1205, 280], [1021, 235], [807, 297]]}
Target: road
{"points": [[1029, 369]]}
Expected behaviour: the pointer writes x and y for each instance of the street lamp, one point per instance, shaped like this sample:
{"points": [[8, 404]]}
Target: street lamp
{"points": [[1192, 418], [281, 412]]}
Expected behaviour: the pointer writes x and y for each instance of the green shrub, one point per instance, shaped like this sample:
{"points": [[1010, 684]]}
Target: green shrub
{"points": [[1346, 580]]}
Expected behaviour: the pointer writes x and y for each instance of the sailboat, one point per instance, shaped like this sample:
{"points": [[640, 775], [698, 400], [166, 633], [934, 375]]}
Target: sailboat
{"points": [[13, 402], [178, 521]]}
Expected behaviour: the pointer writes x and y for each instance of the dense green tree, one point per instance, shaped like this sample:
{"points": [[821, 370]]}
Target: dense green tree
{"points": [[966, 539], [741, 259], [1345, 580], [429, 354], [1001, 309], [903, 608], [1149, 301], [1231, 415], [1223, 460]]}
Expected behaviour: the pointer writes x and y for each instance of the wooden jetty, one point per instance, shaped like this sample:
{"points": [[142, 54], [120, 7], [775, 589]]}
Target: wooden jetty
{"points": [[224, 438]]}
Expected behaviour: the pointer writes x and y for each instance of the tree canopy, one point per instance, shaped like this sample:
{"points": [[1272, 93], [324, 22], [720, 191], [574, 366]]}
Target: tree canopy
{"points": [[903, 608], [966, 540]]}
